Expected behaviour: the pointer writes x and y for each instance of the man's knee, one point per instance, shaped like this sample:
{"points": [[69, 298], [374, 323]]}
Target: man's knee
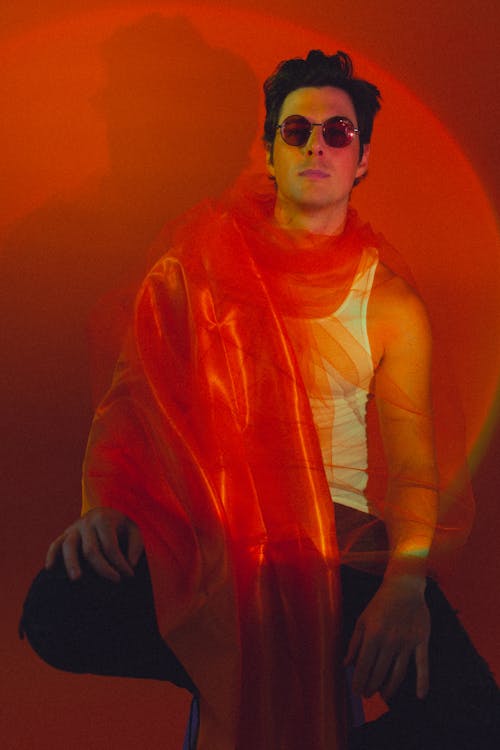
{"points": [[95, 626], [84, 625], [46, 620]]}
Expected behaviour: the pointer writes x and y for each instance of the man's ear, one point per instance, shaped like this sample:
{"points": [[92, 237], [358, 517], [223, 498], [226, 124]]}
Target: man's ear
{"points": [[269, 159], [363, 163]]}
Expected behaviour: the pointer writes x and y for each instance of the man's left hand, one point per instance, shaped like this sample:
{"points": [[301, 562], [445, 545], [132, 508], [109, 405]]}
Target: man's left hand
{"points": [[394, 627]]}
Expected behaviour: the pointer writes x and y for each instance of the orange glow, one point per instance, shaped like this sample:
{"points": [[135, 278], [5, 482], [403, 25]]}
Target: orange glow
{"points": [[422, 192], [83, 207]]}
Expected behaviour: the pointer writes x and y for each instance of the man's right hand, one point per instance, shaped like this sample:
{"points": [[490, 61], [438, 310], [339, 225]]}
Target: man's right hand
{"points": [[98, 537]]}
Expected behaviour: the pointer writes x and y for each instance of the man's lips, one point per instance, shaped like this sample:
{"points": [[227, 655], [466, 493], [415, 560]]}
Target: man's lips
{"points": [[314, 173]]}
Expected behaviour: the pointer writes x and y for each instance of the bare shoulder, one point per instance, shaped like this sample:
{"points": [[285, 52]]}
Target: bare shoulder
{"points": [[397, 315]]}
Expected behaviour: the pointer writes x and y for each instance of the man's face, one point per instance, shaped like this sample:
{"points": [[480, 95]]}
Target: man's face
{"points": [[312, 177]]}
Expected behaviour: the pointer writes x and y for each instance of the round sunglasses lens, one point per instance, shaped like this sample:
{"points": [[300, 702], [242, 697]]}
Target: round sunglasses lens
{"points": [[338, 132], [295, 131]]}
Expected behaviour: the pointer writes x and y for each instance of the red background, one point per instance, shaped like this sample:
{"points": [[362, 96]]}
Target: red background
{"points": [[99, 133]]}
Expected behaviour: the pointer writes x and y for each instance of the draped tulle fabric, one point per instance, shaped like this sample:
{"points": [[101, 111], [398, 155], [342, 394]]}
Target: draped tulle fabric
{"points": [[207, 442]]}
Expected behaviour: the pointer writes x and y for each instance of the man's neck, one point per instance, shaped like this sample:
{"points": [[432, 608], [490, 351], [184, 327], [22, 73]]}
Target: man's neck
{"points": [[329, 221]]}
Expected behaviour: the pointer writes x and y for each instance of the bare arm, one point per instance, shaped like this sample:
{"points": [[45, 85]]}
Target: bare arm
{"points": [[395, 626]]}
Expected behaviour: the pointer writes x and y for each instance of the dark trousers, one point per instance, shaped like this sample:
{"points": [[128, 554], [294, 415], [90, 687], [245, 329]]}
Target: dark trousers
{"points": [[95, 626], [462, 708]]}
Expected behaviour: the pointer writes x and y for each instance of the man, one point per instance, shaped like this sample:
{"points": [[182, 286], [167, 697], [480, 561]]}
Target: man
{"points": [[238, 413]]}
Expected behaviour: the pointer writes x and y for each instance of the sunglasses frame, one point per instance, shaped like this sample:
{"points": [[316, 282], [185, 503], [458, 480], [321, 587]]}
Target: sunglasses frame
{"points": [[337, 118]]}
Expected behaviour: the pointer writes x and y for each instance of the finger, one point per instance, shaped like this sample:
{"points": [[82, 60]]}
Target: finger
{"points": [[354, 645], [396, 675], [92, 552], [53, 552], [365, 663], [110, 547], [422, 664], [135, 546], [70, 549], [381, 670]]}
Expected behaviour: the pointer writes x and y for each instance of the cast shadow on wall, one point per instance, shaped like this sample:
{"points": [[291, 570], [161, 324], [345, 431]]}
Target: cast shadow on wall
{"points": [[180, 119]]}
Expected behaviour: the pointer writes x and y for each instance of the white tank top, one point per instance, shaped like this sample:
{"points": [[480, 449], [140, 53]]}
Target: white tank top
{"points": [[338, 386]]}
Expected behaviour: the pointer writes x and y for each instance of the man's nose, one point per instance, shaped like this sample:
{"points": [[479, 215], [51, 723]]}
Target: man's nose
{"points": [[315, 144]]}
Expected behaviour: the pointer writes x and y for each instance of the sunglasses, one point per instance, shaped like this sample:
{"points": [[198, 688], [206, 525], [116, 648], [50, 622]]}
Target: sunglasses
{"points": [[338, 132]]}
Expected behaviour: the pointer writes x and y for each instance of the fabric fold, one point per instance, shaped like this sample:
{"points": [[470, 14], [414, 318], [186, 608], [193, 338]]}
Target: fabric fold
{"points": [[206, 440]]}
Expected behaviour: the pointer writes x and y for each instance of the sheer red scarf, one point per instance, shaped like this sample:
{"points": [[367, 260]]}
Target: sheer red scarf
{"points": [[206, 441]]}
